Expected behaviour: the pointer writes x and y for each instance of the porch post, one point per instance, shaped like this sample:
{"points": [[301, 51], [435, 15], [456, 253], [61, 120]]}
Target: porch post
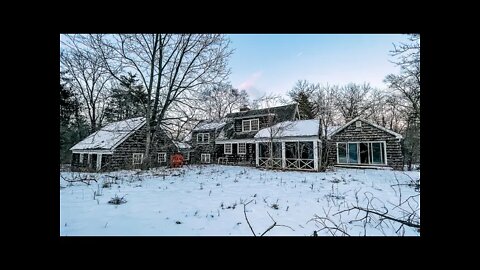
{"points": [[284, 161], [257, 154], [99, 162], [315, 155]]}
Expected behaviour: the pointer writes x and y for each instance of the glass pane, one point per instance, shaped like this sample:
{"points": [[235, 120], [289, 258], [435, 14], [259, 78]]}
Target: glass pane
{"points": [[342, 152], [364, 153], [306, 150], [352, 153], [376, 153], [277, 150], [263, 150], [291, 150]]}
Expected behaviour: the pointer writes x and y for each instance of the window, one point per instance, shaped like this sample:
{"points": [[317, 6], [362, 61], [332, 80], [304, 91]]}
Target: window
{"points": [[227, 148], [358, 124], [81, 159], [203, 138], [137, 158], [162, 157], [254, 124], [250, 125], [361, 153], [242, 148], [205, 158]]}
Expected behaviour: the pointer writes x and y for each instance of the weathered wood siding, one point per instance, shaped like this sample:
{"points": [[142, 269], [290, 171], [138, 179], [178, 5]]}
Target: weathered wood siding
{"points": [[122, 157], [367, 132], [210, 148]]}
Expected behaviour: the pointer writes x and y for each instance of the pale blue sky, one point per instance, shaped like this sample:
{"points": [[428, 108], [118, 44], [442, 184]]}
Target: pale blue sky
{"points": [[272, 63]]}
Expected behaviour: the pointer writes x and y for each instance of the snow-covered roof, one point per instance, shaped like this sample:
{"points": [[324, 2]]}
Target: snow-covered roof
{"points": [[291, 129], [332, 129], [182, 145], [210, 125], [110, 135], [398, 136]]}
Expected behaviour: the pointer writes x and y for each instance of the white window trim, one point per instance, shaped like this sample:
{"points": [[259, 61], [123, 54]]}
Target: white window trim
{"points": [[164, 155], [225, 148], [238, 149], [358, 152], [203, 136], [80, 160], [202, 159], [187, 155], [133, 158], [250, 125]]}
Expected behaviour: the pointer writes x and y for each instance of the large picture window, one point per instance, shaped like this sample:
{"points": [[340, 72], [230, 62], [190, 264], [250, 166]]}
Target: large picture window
{"points": [[361, 153]]}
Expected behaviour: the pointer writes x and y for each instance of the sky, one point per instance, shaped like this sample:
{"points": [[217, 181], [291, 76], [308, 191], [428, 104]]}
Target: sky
{"points": [[272, 63]]}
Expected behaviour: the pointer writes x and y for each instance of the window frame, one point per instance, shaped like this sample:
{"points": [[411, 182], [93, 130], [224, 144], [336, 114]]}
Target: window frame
{"points": [[202, 135], [165, 157], [80, 158], [205, 155], [245, 148], [225, 148], [383, 152], [141, 158], [250, 125]]}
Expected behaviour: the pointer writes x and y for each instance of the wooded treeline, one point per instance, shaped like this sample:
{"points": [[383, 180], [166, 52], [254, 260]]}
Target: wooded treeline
{"points": [[176, 80]]}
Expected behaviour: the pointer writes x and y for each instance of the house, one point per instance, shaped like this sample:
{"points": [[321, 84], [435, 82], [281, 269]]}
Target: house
{"points": [[121, 145], [361, 143], [233, 139], [297, 145], [203, 136]]}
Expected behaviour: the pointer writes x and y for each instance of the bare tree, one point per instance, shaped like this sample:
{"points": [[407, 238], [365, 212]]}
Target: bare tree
{"points": [[219, 100], [88, 76], [352, 100], [169, 66]]}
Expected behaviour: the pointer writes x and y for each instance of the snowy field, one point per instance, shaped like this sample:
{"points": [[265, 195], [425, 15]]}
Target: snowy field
{"points": [[209, 201]]}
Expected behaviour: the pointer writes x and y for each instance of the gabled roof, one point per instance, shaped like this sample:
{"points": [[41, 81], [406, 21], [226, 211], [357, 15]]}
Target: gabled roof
{"points": [[111, 135], [291, 129], [208, 125], [398, 136], [284, 113]]}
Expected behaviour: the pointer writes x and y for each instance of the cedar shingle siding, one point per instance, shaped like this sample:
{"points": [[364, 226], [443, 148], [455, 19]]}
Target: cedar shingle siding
{"points": [[367, 132]]}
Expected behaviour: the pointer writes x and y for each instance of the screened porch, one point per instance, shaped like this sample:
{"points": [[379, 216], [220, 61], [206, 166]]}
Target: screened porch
{"points": [[299, 154]]}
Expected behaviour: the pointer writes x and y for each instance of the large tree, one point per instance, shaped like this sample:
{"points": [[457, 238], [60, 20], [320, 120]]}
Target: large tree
{"points": [[169, 67], [221, 99], [353, 100], [88, 76]]}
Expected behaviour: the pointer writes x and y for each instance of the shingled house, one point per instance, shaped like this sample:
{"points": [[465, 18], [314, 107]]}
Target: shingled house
{"points": [[231, 140], [121, 145], [361, 143]]}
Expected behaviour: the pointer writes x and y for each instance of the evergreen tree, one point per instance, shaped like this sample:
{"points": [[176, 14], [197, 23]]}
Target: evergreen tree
{"points": [[302, 93], [128, 100]]}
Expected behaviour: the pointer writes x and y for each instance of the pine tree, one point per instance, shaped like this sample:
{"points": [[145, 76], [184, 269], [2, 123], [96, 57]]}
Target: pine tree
{"points": [[302, 94]]}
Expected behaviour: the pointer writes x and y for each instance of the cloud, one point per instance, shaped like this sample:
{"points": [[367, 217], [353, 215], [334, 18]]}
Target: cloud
{"points": [[249, 83]]}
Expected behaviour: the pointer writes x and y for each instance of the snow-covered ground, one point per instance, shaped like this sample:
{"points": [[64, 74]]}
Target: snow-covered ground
{"points": [[208, 200]]}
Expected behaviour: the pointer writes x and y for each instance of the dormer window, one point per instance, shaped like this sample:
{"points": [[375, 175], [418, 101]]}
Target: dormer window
{"points": [[358, 124], [250, 125]]}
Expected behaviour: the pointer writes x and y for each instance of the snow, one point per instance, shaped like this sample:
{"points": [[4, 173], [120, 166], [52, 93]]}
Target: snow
{"points": [[110, 135], [291, 129], [182, 145], [210, 125], [207, 200]]}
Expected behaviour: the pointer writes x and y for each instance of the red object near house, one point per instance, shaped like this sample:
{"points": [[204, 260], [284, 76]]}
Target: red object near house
{"points": [[176, 160]]}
